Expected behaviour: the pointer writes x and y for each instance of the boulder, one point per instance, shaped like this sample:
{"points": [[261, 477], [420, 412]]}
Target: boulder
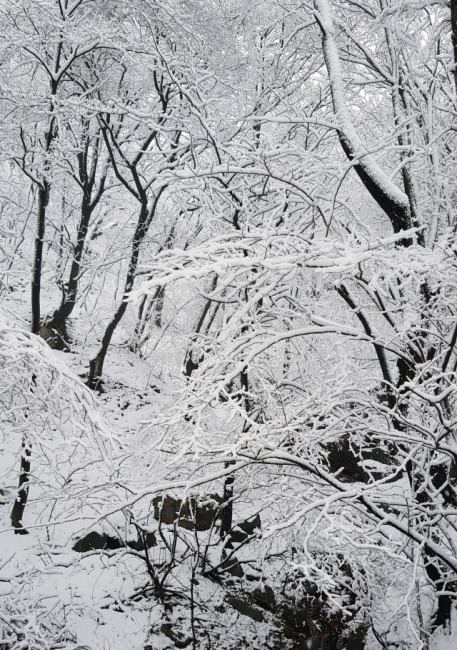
{"points": [[95, 541], [193, 513], [246, 608]]}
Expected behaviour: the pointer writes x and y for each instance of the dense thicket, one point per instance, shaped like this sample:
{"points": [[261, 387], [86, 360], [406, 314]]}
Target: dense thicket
{"points": [[228, 283]]}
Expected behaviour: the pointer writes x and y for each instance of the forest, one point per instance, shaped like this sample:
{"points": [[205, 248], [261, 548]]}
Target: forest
{"points": [[228, 324]]}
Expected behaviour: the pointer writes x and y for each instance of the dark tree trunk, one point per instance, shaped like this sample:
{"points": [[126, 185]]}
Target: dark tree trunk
{"points": [[399, 215], [444, 601], [190, 362], [227, 507], [44, 188], [43, 198], [453, 4], [98, 362], [17, 511], [91, 196], [144, 221], [59, 321]]}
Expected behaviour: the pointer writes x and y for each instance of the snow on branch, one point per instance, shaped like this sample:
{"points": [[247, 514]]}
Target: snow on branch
{"points": [[278, 252], [387, 194], [56, 417]]}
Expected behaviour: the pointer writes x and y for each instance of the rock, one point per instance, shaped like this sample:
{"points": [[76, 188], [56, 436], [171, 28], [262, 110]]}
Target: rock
{"points": [[245, 608], [194, 513], [245, 529], [178, 638], [351, 462], [356, 640], [264, 597], [57, 338], [253, 575], [233, 567], [149, 541], [344, 460], [294, 623], [312, 626], [95, 541]]}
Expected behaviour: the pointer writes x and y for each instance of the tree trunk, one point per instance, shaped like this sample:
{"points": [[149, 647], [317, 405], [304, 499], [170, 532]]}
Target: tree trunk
{"points": [[60, 317], [43, 198], [453, 4], [17, 511], [227, 507], [384, 191], [97, 363]]}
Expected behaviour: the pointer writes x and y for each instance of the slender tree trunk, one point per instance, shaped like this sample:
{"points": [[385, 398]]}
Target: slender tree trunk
{"points": [[91, 196], [64, 311], [227, 508], [43, 198], [148, 304], [190, 363], [96, 364], [400, 110], [384, 191], [144, 221], [17, 511], [453, 4], [144, 314], [159, 307], [44, 188]]}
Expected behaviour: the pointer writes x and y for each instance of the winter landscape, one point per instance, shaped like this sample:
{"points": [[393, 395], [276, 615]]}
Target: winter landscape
{"points": [[228, 324]]}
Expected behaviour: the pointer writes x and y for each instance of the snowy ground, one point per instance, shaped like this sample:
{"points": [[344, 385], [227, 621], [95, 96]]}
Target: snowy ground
{"points": [[55, 597]]}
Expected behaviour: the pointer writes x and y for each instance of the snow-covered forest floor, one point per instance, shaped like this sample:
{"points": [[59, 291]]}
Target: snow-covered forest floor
{"points": [[164, 593], [55, 596]]}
